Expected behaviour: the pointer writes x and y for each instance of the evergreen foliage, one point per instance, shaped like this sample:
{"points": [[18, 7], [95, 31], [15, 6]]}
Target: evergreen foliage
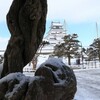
{"points": [[68, 48]]}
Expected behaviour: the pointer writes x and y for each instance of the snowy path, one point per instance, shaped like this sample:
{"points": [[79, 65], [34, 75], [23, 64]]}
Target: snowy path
{"points": [[88, 84]]}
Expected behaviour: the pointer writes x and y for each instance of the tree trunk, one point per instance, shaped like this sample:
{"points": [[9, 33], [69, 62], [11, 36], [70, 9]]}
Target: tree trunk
{"points": [[99, 56], [69, 60], [26, 21]]}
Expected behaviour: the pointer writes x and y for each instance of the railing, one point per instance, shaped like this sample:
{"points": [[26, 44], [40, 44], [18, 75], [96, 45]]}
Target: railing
{"points": [[86, 65]]}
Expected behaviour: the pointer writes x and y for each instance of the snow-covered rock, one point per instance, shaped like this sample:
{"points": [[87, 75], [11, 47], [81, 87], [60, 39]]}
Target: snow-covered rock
{"points": [[53, 80]]}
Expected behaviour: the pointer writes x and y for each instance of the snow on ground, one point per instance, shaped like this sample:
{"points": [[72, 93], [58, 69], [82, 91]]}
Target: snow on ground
{"points": [[88, 87]]}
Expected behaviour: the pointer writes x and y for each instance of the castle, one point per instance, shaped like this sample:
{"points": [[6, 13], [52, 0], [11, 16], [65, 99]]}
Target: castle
{"points": [[54, 36]]}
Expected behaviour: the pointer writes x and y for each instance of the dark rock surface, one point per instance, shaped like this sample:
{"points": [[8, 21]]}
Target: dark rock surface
{"points": [[26, 22], [53, 80]]}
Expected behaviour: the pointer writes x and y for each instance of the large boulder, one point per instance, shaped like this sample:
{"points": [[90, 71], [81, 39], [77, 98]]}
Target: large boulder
{"points": [[26, 21], [53, 80]]}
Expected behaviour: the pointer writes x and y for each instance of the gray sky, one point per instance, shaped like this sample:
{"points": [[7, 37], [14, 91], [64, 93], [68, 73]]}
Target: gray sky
{"points": [[74, 11], [70, 10]]}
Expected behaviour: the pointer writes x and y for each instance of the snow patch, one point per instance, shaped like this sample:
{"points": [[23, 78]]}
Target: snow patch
{"points": [[54, 61]]}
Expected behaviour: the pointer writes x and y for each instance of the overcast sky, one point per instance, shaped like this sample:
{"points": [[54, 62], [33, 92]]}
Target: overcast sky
{"points": [[74, 11], [80, 16]]}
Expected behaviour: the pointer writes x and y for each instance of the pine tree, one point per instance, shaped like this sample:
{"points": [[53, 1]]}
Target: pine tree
{"points": [[68, 48]]}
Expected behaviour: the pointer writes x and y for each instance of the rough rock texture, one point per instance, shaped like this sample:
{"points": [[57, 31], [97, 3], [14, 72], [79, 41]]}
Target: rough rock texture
{"points": [[26, 21], [53, 80]]}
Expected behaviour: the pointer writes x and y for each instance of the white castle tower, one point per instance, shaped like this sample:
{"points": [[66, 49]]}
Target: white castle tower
{"points": [[54, 36]]}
